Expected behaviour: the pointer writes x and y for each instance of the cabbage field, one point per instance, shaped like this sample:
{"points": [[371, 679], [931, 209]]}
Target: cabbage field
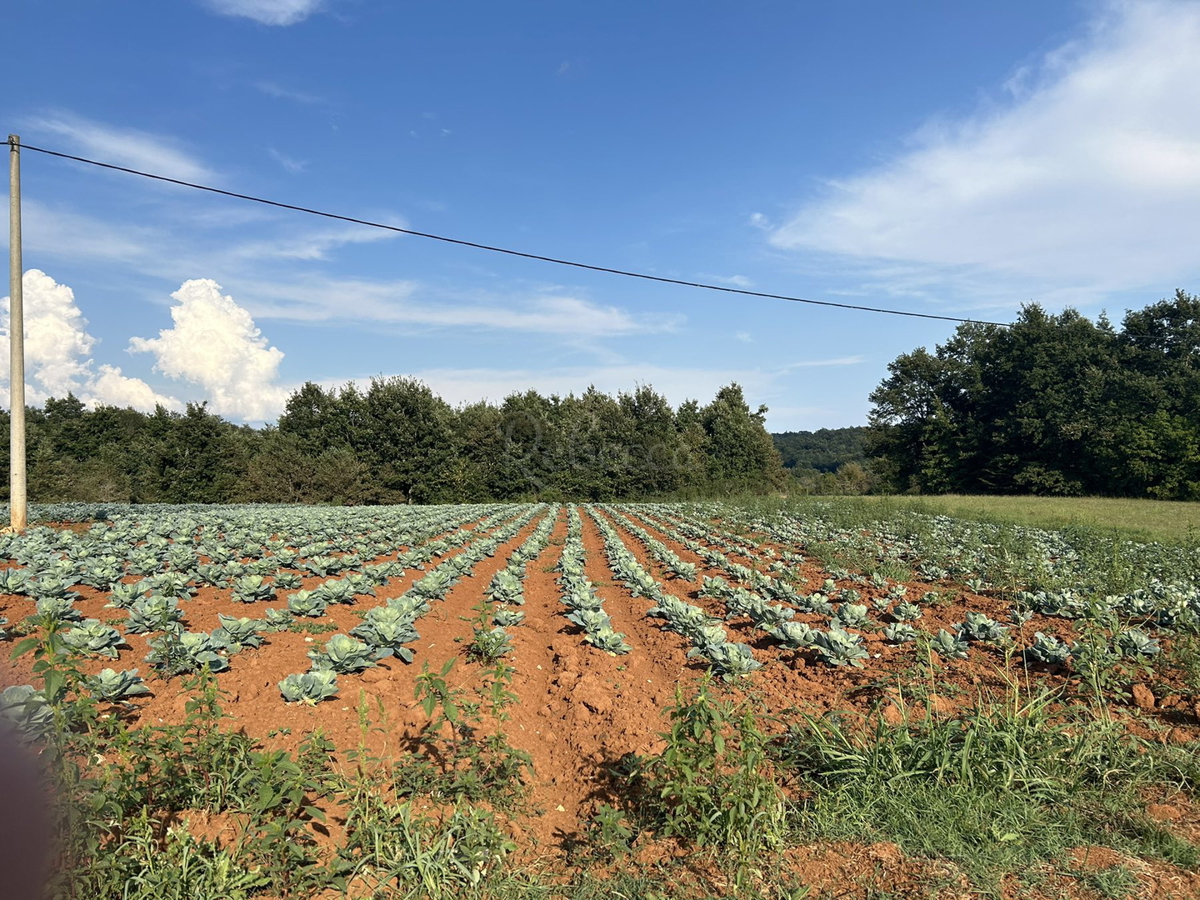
{"points": [[660, 699]]}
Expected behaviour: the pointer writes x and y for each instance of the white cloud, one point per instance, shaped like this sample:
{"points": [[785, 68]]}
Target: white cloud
{"points": [[740, 281], [123, 146], [825, 363], [57, 344], [58, 352], [290, 165], [315, 245], [216, 345], [323, 299], [280, 92], [1086, 177], [744, 337], [268, 12], [54, 231], [111, 388]]}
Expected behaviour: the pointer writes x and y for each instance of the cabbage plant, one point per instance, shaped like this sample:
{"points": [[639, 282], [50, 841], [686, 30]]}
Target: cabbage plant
{"points": [[252, 589], [900, 633], [153, 613], [729, 660], [838, 647], [950, 646], [112, 686], [388, 628], [236, 634], [608, 640], [1048, 650], [309, 687], [343, 654], [179, 652], [27, 711], [1134, 642], [979, 627], [307, 603], [795, 635], [93, 636]]}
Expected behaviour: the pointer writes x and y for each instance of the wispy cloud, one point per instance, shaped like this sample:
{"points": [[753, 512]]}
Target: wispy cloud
{"points": [[1084, 179], [824, 363], [740, 281], [49, 230], [128, 147], [314, 245], [282, 92], [268, 12], [294, 166], [409, 303]]}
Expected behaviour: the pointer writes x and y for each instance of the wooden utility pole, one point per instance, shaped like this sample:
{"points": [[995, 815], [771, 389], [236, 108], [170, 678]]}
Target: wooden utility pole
{"points": [[18, 502]]}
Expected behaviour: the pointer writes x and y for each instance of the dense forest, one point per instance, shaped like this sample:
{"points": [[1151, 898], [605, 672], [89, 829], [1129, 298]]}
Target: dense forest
{"points": [[1054, 404], [826, 449], [397, 441], [827, 461]]}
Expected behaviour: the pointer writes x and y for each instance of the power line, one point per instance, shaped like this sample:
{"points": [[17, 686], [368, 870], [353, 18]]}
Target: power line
{"points": [[509, 252]]}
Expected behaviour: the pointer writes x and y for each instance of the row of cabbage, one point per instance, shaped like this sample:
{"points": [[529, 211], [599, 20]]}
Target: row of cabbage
{"points": [[708, 636], [387, 628], [584, 606], [60, 561], [1169, 608]]}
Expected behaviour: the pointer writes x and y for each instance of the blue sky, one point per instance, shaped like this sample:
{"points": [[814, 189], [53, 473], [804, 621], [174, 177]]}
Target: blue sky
{"points": [[945, 157]]}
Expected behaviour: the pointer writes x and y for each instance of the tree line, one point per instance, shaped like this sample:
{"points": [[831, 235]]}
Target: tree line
{"points": [[396, 441], [1054, 404]]}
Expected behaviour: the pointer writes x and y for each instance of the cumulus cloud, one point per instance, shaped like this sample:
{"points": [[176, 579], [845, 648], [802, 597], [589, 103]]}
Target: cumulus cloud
{"points": [[268, 12], [58, 351], [1086, 174], [123, 146], [109, 387], [215, 344]]}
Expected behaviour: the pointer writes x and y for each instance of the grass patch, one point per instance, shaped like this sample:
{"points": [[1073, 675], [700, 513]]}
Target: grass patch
{"points": [[1147, 520], [999, 791]]}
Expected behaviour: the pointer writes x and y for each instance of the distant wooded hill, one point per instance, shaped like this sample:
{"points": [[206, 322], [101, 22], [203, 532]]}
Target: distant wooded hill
{"points": [[825, 449]]}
